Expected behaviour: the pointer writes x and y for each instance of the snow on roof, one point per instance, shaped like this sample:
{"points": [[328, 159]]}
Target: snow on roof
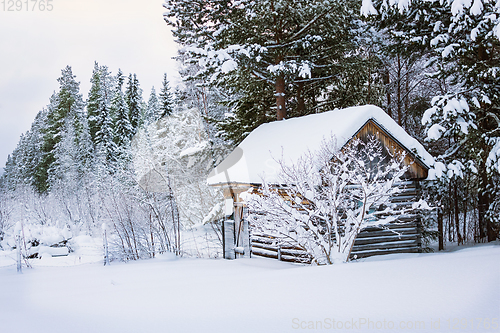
{"points": [[256, 156]]}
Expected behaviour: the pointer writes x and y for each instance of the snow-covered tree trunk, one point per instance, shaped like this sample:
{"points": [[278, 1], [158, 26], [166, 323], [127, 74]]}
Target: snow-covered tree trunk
{"points": [[105, 244], [280, 98], [19, 253]]}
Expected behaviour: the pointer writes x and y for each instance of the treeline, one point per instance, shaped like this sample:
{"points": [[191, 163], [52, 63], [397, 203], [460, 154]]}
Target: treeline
{"points": [[73, 136], [83, 166]]}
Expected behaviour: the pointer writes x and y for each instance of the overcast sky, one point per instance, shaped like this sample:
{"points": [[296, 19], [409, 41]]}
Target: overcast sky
{"points": [[35, 45]]}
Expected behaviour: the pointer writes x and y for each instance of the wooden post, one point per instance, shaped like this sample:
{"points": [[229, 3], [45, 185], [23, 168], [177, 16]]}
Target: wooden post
{"points": [[238, 228], [229, 240], [245, 239], [242, 233], [440, 229]]}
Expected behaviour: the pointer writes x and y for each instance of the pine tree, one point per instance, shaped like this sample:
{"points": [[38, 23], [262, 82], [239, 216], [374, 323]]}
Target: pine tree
{"points": [[303, 51]]}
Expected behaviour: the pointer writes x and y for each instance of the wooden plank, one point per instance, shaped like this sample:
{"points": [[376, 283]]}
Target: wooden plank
{"points": [[264, 253], [406, 182], [386, 233], [273, 244], [376, 232], [291, 250], [405, 225], [384, 239], [296, 259], [403, 198], [372, 231], [409, 189], [385, 246], [264, 247], [407, 218], [262, 240], [263, 236], [402, 205], [366, 254], [295, 253], [400, 227]]}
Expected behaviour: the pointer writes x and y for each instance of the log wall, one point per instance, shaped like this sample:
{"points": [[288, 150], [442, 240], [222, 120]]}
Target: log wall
{"points": [[401, 236]]}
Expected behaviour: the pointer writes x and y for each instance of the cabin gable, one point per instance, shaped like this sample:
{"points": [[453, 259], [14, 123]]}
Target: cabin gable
{"points": [[416, 168]]}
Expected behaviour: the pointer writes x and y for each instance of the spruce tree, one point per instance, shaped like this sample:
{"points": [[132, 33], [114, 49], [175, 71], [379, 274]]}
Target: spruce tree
{"points": [[83, 147], [134, 101], [153, 108], [166, 99], [123, 131], [28, 153], [100, 95], [8, 178], [93, 101], [103, 141], [61, 106], [105, 146], [462, 39]]}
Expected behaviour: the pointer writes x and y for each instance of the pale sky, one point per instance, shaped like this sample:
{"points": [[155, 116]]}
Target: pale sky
{"points": [[35, 45]]}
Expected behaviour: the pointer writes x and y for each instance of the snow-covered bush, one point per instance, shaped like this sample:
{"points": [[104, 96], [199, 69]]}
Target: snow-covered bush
{"points": [[327, 197], [38, 240], [5, 214], [177, 150]]}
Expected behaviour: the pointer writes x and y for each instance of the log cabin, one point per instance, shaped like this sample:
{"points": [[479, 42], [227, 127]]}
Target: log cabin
{"points": [[257, 159]]}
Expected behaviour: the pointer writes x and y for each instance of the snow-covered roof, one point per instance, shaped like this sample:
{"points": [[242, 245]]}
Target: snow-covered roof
{"points": [[256, 156]]}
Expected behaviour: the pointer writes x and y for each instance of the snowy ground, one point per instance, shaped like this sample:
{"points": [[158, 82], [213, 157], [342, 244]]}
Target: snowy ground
{"points": [[437, 292]]}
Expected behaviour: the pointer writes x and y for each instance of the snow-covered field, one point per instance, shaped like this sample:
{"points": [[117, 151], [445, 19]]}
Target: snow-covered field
{"points": [[456, 291]]}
